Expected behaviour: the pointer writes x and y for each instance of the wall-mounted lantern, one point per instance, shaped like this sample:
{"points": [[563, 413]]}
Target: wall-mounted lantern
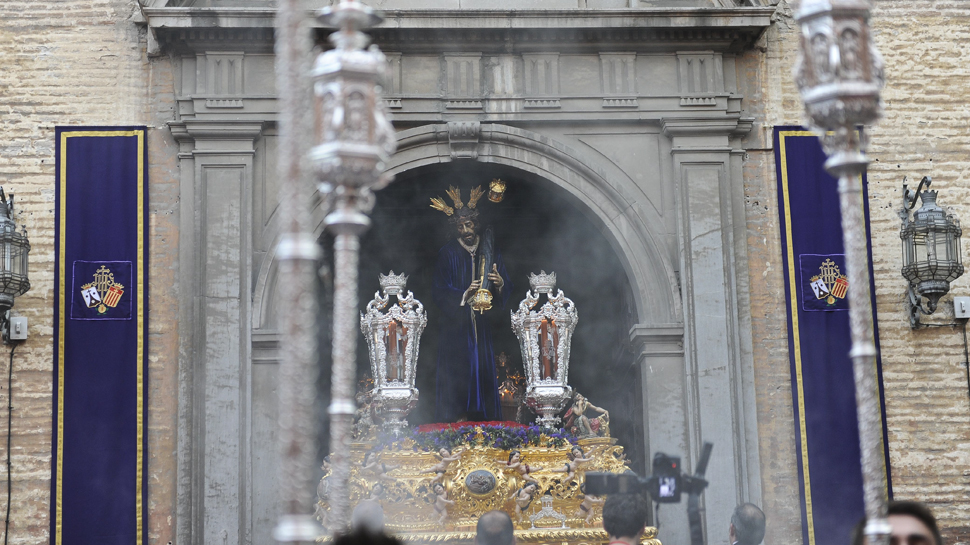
{"points": [[931, 250], [14, 250]]}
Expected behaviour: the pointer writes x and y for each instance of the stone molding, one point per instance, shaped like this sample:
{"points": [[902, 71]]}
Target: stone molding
{"points": [[250, 29], [639, 248], [463, 139]]}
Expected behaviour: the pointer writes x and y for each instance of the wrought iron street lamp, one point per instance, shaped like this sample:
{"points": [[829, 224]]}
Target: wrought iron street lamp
{"points": [[931, 250], [14, 250], [839, 74]]}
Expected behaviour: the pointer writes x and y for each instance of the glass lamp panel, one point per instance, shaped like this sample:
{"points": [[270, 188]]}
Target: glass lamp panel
{"points": [[919, 248], [6, 259], [943, 246]]}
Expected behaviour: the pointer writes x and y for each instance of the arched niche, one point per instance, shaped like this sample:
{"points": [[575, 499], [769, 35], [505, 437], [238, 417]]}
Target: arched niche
{"points": [[643, 268], [648, 267]]}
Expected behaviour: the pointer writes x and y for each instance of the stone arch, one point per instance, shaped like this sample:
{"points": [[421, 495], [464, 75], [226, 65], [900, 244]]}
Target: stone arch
{"points": [[651, 275]]}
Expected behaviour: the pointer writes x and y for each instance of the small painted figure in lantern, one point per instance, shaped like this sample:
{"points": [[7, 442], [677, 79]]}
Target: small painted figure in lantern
{"points": [[548, 344], [586, 507], [442, 467], [515, 462], [523, 498], [576, 457], [576, 417], [375, 466], [396, 342], [441, 502]]}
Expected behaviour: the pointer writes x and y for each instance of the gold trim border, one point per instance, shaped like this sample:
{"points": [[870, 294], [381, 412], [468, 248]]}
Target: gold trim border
{"points": [[796, 339], [62, 320]]}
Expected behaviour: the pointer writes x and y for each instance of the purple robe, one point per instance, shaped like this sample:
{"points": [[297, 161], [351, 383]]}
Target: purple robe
{"points": [[466, 382]]}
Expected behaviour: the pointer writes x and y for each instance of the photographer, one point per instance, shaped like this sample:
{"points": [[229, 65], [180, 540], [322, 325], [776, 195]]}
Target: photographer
{"points": [[624, 518]]}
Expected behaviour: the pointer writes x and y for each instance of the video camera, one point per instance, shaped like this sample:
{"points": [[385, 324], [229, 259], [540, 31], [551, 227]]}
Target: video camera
{"points": [[665, 485]]}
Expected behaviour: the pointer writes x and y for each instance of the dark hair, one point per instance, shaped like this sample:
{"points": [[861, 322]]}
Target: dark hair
{"points": [[513, 453], [914, 509], [462, 214], [624, 515], [572, 456], [435, 485], [495, 528], [365, 537], [749, 524]]}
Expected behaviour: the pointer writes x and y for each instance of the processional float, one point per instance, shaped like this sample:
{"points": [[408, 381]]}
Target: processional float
{"points": [[433, 482]]}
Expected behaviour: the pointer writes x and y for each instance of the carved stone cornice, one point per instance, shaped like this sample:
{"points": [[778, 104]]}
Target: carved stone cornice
{"points": [[658, 339], [215, 129], [706, 126], [667, 29], [224, 137]]}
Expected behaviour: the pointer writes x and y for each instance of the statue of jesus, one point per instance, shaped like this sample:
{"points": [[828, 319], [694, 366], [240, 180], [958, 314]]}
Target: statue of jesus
{"points": [[467, 387]]}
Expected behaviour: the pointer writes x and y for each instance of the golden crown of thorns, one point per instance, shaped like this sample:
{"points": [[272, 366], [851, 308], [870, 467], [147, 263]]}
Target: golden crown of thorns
{"points": [[473, 196]]}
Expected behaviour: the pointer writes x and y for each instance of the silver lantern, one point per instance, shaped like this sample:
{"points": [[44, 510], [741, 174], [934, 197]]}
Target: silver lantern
{"points": [[839, 74], [393, 336], [545, 336], [354, 140]]}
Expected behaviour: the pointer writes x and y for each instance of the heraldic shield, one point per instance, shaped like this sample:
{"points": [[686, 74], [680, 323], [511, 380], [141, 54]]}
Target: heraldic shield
{"points": [[101, 290], [824, 283]]}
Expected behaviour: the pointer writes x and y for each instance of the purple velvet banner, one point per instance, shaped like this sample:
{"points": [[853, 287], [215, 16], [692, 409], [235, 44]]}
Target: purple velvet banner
{"points": [[823, 388], [98, 489]]}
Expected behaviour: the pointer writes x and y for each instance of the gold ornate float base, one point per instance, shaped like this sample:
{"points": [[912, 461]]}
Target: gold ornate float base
{"points": [[480, 480]]}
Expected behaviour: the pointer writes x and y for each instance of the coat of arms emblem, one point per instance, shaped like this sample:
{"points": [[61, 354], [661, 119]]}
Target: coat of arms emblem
{"points": [[104, 292], [829, 284]]}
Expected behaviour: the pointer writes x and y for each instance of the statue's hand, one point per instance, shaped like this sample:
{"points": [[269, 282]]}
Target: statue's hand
{"points": [[472, 288], [495, 278]]}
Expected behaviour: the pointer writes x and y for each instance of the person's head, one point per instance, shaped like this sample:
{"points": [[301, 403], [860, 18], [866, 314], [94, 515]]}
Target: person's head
{"points": [[368, 516], [911, 523], [574, 453], [514, 456], [495, 528], [466, 223], [625, 515], [444, 452], [530, 487], [438, 488], [360, 536], [747, 525]]}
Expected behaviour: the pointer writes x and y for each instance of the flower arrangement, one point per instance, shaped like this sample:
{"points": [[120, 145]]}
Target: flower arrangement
{"points": [[489, 434]]}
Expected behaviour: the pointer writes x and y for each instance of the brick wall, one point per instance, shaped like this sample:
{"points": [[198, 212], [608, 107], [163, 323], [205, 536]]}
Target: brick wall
{"points": [[77, 62], [925, 131], [80, 62]]}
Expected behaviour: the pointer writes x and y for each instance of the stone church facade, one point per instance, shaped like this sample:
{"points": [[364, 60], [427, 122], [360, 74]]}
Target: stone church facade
{"points": [[654, 115]]}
